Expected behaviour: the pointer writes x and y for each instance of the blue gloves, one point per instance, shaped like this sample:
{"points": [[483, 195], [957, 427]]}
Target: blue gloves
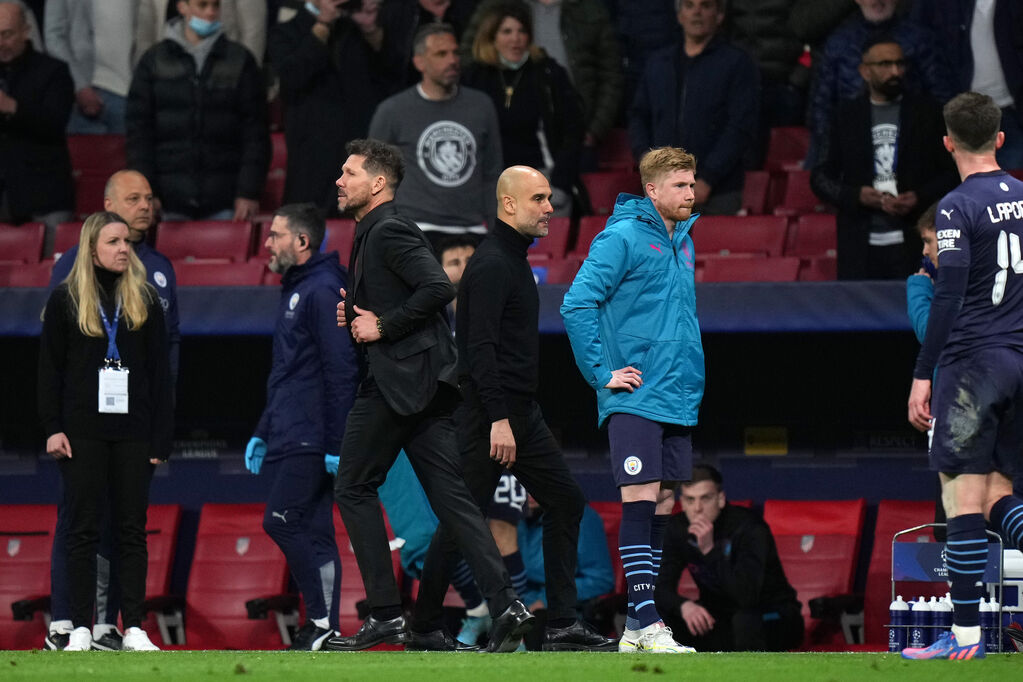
{"points": [[331, 462], [255, 451]]}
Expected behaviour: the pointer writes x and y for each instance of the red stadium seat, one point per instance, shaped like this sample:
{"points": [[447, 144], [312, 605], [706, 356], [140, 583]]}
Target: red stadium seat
{"points": [[353, 590], [819, 269], [340, 237], [25, 275], [818, 543], [21, 243], [611, 514], [730, 235], [162, 522], [199, 274], [279, 148], [89, 194], [205, 240], [563, 271], [555, 244], [750, 269], [589, 227], [892, 516], [798, 197], [787, 147], [604, 188], [813, 235], [99, 155], [234, 561], [26, 537], [754, 192], [273, 191], [67, 235], [614, 152]]}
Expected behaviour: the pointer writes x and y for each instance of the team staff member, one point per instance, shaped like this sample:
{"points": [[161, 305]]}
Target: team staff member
{"points": [[129, 195], [395, 312], [500, 423], [309, 392], [630, 316], [105, 403]]}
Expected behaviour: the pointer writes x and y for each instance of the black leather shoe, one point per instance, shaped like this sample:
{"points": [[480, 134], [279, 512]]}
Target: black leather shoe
{"points": [[436, 640], [577, 637], [372, 632], [508, 628]]}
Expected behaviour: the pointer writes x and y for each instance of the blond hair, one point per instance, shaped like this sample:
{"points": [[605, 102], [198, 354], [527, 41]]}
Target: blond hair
{"points": [[657, 163], [132, 290]]}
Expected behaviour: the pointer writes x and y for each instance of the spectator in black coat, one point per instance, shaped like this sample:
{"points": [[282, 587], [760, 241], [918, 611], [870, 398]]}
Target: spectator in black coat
{"points": [[196, 120], [330, 86], [36, 96]]}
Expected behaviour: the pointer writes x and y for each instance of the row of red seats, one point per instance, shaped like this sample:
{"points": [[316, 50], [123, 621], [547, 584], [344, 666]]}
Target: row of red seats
{"points": [[238, 577], [211, 253], [762, 248], [818, 543], [235, 563]]}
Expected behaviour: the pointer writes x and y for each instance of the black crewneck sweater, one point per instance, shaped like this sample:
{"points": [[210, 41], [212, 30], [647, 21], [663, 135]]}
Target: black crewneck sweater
{"points": [[69, 363], [496, 324]]}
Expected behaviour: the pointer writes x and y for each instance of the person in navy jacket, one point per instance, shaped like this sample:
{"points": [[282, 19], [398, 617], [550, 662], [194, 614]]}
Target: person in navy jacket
{"points": [[310, 390]]}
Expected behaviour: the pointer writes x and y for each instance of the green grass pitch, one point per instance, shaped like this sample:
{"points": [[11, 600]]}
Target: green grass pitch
{"points": [[243, 666]]}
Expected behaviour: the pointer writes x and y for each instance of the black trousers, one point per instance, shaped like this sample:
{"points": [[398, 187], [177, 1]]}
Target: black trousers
{"points": [[541, 469], [101, 473], [775, 629], [374, 434]]}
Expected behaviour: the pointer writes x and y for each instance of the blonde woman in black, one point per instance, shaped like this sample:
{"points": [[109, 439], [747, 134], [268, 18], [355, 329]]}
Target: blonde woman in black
{"points": [[105, 404]]}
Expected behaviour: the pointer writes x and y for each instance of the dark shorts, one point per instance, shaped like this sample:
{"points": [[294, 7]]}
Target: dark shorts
{"points": [[509, 500], [644, 451], [977, 427]]}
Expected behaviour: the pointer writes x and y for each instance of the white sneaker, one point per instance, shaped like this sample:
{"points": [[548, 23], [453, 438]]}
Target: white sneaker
{"points": [[657, 639], [629, 641], [136, 639], [81, 640]]}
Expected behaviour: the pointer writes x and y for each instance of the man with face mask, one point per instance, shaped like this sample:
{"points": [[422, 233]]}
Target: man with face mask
{"points": [[196, 120], [880, 172]]}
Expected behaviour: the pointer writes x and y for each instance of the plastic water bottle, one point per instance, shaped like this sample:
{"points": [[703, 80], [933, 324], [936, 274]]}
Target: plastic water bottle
{"points": [[898, 614], [941, 611], [990, 632], [919, 619]]}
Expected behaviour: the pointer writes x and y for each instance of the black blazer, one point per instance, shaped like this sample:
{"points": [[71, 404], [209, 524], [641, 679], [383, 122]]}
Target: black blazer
{"points": [[923, 166], [395, 275]]}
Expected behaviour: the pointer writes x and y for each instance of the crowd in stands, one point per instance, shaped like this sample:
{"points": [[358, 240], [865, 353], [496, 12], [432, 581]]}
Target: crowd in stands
{"points": [[204, 90]]}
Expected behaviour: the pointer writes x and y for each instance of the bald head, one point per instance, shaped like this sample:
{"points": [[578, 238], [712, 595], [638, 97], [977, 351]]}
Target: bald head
{"points": [[14, 31], [129, 195], [524, 200]]}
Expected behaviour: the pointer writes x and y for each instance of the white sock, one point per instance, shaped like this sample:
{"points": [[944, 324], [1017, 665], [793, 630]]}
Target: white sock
{"points": [[478, 611], [100, 629], [61, 627], [322, 623], [966, 636]]}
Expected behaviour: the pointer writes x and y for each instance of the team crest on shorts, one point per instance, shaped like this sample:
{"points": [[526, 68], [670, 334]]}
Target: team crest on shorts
{"points": [[633, 465], [446, 152]]}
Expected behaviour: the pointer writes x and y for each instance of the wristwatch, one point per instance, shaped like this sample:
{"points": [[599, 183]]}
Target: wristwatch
{"points": [[380, 327]]}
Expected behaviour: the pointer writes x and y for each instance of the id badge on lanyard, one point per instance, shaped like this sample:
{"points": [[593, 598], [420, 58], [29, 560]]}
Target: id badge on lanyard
{"points": [[113, 377]]}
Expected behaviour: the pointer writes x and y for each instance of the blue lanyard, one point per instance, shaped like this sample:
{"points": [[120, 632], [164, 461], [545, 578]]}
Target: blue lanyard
{"points": [[113, 357]]}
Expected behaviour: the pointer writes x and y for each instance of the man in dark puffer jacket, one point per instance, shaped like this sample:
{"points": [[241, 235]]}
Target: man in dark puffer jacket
{"points": [[196, 120]]}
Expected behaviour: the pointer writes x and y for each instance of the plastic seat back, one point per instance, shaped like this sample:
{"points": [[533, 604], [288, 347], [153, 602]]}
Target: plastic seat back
{"points": [[729, 235], [205, 240], [755, 269], [604, 188], [234, 561], [26, 538], [21, 243]]}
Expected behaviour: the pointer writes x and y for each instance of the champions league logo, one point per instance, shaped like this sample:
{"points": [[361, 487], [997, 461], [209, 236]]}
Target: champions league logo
{"points": [[446, 153]]}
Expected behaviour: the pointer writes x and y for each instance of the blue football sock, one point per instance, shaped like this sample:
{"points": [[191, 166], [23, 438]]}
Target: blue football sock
{"points": [[517, 570], [1007, 517], [465, 585], [634, 548], [966, 557]]}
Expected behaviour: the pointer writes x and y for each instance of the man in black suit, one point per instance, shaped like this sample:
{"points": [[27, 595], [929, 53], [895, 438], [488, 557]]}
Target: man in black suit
{"points": [[882, 166], [396, 317]]}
